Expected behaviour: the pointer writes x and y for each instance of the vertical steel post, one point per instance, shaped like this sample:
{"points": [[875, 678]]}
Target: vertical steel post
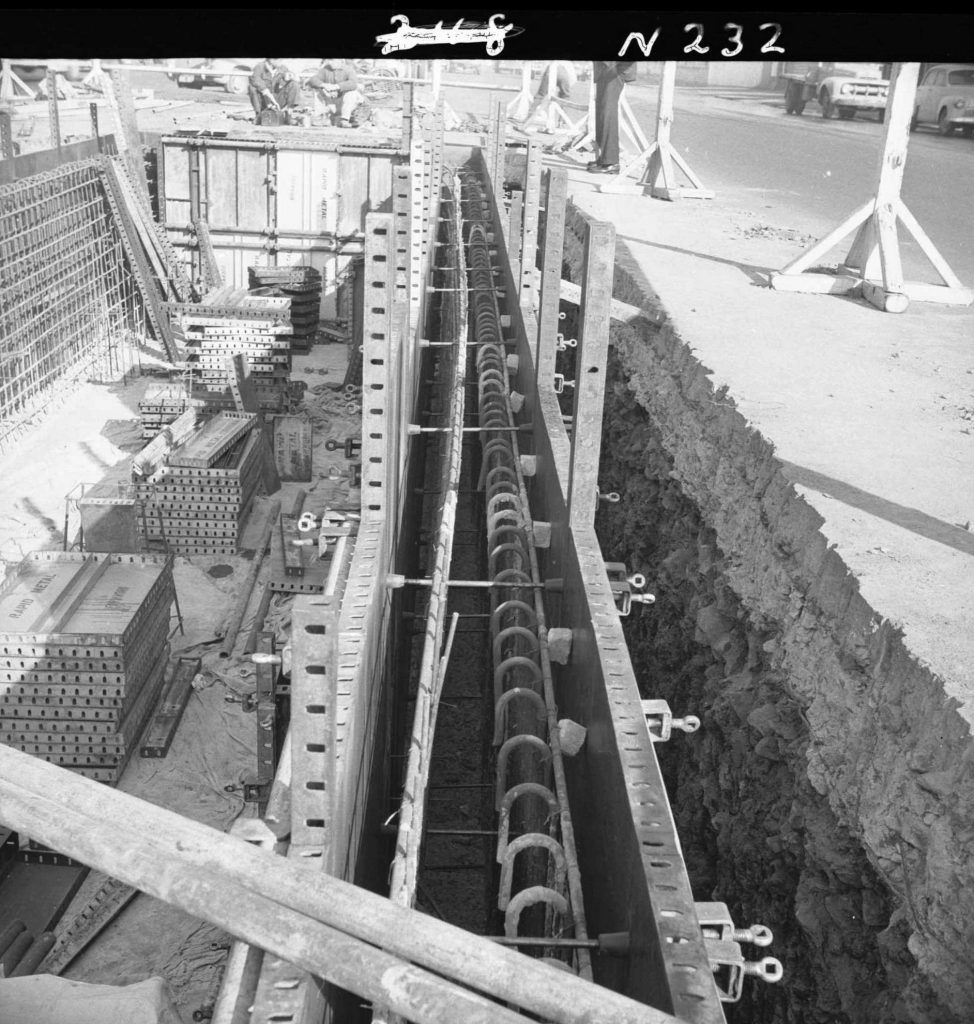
{"points": [[6, 137], [488, 149], [314, 673], [93, 114], [416, 281], [52, 110], [590, 363], [556, 193], [376, 361], [513, 234], [498, 157], [529, 225], [407, 116], [405, 339]]}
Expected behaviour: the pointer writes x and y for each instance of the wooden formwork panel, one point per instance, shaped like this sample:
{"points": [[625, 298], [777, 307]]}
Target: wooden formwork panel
{"points": [[301, 195]]}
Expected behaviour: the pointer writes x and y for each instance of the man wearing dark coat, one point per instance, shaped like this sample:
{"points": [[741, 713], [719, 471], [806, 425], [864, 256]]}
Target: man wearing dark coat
{"points": [[609, 78]]}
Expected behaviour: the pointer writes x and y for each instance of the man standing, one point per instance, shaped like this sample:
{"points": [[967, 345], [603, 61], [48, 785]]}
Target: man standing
{"points": [[261, 86], [337, 82], [609, 78], [564, 81]]}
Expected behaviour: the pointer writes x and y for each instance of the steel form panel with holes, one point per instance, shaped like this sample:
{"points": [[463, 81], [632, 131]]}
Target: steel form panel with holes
{"points": [[618, 797], [339, 646]]}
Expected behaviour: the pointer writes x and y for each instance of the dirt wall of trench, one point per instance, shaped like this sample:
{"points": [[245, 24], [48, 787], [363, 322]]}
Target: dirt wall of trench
{"points": [[830, 790]]}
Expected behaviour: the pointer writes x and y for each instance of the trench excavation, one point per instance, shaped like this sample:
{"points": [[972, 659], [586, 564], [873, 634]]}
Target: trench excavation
{"points": [[752, 791], [485, 837]]}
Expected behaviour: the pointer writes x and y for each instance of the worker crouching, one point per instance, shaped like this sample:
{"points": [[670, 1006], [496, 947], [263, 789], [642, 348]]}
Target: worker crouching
{"points": [[336, 86]]}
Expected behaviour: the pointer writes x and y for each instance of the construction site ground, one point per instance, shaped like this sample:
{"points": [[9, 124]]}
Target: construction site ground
{"points": [[870, 417], [89, 436]]}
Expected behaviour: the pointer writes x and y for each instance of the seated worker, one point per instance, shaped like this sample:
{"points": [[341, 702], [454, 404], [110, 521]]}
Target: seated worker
{"points": [[287, 89], [337, 84], [261, 87]]}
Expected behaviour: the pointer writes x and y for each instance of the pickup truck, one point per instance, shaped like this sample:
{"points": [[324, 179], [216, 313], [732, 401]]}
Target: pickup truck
{"points": [[841, 90]]}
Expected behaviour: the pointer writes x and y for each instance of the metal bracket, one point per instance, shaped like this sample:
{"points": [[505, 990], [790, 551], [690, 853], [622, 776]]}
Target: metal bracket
{"points": [[661, 722], [560, 383], [352, 445], [622, 586], [716, 923]]}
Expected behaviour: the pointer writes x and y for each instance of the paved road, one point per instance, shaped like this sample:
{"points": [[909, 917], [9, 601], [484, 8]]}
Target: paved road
{"points": [[810, 173]]}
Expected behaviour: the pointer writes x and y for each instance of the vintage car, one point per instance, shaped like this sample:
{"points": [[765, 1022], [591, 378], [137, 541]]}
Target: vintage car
{"points": [[232, 74], [945, 98], [841, 90]]}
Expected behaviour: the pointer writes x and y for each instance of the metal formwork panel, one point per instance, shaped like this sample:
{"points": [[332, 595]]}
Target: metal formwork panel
{"points": [[620, 805], [314, 638], [32, 618], [308, 188], [378, 400]]}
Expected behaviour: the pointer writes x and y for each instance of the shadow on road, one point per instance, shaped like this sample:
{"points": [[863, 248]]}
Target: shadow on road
{"points": [[900, 515], [758, 275]]}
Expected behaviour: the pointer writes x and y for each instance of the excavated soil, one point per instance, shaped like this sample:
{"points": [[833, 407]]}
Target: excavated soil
{"points": [[828, 792]]}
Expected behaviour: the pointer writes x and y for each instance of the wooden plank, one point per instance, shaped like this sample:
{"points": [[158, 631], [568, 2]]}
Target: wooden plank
{"points": [[221, 207], [527, 286], [172, 703], [254, 182], [354, 197], [380, 184], [552, 286], [293, 446], [337, 931], [590, 364]]}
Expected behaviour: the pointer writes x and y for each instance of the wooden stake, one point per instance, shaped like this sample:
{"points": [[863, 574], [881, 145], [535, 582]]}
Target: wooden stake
{"points": [[652, 163], [875, 250]]}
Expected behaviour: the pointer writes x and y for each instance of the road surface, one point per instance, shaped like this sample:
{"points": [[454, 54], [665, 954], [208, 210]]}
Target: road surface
{"points": [[811, 173]]}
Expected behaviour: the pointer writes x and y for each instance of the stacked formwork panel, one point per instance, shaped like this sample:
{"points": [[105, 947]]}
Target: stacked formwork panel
{"points": [[301, 286], [211, 338], [68, 301], [229, 322], [161, 404], [83, 650], [195, 501]]}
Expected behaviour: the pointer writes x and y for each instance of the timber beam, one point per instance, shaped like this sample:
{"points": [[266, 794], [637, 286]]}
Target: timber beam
{"points": [[413, 963]]}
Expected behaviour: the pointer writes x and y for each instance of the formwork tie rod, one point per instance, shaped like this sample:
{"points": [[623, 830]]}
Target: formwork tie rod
{"points": [[396, 582], [613, 943], [415, 428]]}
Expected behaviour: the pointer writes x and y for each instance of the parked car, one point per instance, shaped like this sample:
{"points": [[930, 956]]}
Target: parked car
{"points": [[945, 98], [841, 90], [232, 74], [72, 70]]}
